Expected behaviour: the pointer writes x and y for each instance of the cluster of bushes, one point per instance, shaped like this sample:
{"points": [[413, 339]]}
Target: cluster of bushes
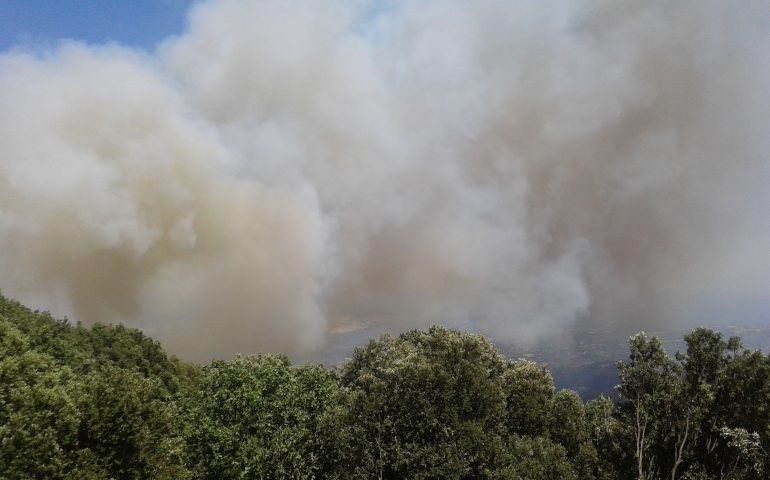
{"points": [[108, 402]]}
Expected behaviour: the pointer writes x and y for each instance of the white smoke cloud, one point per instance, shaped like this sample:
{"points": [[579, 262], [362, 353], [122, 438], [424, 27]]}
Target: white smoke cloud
{"points": [[286, 169]]}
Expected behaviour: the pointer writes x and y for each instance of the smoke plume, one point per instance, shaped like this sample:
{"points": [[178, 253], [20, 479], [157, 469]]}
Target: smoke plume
{"points": [[287, 169]]}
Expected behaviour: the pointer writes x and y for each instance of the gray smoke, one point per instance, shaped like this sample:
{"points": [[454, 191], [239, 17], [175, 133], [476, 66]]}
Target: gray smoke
{"points": [[287, 169]]}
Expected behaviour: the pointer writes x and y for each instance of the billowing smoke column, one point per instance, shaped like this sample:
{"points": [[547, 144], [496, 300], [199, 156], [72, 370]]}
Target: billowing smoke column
{"points": [[283, 170]]}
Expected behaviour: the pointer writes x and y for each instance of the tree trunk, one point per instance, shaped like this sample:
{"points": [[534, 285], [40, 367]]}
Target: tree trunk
{"points": [[681, 441]]}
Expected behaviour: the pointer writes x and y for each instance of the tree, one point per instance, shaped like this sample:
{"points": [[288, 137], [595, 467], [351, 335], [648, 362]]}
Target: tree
{"points": [[650, 383], [538, 458], [607, 433], [570, 429], [108, 402], [742, 403], [131, 424], [79, 403], [38, 415], [260, 417], [425, 405], [530, 395], [728, 389]]}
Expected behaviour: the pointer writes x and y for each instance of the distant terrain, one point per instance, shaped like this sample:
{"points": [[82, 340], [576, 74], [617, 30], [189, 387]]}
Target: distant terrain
{"points": [[586, 363], [588, 366]]}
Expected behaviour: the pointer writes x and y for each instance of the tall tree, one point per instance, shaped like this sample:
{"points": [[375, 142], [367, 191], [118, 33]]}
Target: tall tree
{"points": [[650, 384], [426, 405], [260, 417]]}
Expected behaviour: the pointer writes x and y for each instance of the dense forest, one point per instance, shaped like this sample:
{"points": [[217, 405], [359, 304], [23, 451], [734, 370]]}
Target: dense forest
{"points": [[108, 402]]}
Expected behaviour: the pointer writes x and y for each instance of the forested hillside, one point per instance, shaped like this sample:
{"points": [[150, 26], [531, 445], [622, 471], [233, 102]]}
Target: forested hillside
{"points": [[108, 402]]}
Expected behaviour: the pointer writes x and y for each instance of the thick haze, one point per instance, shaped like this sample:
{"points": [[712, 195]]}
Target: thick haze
{"points": [[286, 171]]}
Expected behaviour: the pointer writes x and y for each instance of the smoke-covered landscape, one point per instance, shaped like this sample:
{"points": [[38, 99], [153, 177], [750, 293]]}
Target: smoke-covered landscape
{"points": [[262, 188], [280, 171]]}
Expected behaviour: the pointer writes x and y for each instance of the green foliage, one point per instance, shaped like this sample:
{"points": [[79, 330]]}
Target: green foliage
{"points": [[38, 416], [704, 415], [570, 429], [445, 404], [108, 402], [133, 433], [84, 349], [537, 458], [260, 417], [608, 436], [424, 405], [79, 403], [529, 399]]}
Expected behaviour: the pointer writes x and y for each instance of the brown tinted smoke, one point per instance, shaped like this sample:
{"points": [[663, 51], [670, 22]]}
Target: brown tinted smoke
{"points": [[284, 170]]}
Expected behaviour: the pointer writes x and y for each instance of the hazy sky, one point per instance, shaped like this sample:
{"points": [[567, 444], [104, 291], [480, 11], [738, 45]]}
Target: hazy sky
{"points": [[268, 175]]}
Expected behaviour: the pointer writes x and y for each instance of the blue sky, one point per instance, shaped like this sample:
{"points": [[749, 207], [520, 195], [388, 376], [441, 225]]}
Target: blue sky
{"points": [[137, 23]]}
